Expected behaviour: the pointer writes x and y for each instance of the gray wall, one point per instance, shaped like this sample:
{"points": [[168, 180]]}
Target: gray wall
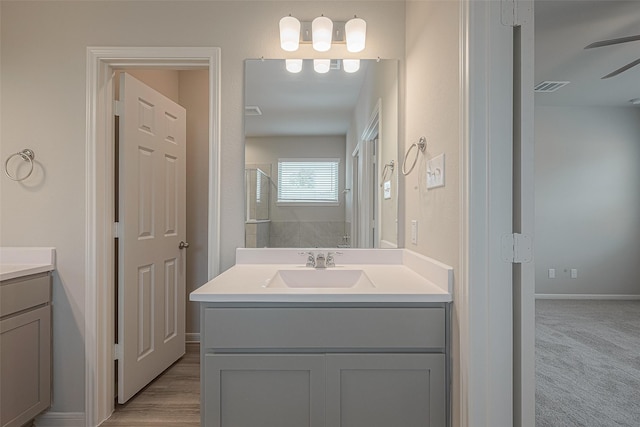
{"points": [[432, 109], [587, 199]]}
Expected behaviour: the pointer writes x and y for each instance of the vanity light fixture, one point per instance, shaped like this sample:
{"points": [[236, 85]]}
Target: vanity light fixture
{"points": [[321, 33], [293, 65], [321, 66], [289, 33], [350, 65], [356, 33]]}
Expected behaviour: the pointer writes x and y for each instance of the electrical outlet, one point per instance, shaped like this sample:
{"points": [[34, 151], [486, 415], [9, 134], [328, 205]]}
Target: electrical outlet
{"points": [[552, 273], [574, 273], [414, 231]]}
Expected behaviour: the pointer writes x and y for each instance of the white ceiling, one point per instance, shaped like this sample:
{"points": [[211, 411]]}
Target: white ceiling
{"points": [[564, 28], [306, 103]]}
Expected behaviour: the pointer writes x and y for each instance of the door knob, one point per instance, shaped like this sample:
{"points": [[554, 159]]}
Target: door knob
{"points": [[183, 245]]}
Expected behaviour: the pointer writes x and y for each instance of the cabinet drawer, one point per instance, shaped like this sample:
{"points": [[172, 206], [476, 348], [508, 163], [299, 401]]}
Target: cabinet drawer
{"points": [[23, 293], [324, 328]]}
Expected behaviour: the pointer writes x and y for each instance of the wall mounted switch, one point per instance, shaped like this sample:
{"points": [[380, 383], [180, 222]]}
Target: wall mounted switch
{"points": [[552, 273], [574, 273], [435, 172]]}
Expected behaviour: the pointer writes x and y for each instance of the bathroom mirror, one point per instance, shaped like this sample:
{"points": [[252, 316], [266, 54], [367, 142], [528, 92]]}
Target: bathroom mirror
{"points": [[321, 155]]}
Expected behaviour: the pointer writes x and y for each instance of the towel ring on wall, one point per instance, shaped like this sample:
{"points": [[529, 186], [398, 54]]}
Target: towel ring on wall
{"points": [[420, 146], [28, 156], [388, 167]]}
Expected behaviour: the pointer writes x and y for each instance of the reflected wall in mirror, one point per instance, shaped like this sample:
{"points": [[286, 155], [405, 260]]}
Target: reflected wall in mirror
{"points": [[316, 147]]}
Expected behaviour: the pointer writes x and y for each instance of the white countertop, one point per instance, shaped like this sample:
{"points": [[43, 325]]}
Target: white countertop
{"points": [[23, 261], [398, 275]]}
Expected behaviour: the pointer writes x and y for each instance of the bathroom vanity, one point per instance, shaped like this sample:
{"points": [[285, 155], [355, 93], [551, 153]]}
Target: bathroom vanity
{"points": [[25, 333], [363, 343]]}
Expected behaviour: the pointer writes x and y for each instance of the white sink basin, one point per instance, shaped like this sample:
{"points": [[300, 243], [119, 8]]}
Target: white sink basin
{"points": [[319, 278]]}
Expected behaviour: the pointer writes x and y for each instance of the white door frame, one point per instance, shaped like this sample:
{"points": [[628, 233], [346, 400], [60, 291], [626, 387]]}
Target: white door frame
{"points": [[371, 131], [491, 392], [99, 169]]}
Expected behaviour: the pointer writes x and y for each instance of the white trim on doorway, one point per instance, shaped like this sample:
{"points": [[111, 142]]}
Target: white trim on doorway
{"points": [[99, 162]]}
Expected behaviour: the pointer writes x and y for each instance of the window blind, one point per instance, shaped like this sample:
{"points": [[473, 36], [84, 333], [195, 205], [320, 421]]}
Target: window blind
{"points": [[308, 180]]}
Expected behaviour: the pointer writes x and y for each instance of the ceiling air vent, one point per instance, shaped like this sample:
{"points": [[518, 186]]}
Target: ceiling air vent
{"points": [[252, 110], [547, 86]]}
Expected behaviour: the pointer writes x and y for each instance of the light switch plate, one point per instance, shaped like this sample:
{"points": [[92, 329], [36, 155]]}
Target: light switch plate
{"points": [[435, 172], [387, 190]]}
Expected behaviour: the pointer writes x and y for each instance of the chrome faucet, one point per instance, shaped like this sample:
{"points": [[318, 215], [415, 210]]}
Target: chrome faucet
{"points": [[321, 261]]}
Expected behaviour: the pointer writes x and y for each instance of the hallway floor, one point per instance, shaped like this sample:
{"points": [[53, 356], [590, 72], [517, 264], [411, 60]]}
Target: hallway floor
{"points": [[171, 400]]}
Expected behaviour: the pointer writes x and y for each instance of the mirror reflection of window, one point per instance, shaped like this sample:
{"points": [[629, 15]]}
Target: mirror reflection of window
{"points": [[303, 182]]}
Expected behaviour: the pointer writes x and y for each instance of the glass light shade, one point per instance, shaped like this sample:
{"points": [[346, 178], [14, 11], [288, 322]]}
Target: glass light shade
{"points": [[293, 65], [321, 33], [351, 65], [356, 33], [289, 33], [321, 65]]}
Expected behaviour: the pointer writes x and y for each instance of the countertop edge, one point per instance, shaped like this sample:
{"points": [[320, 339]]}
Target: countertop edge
{"points": [[26, 270]]}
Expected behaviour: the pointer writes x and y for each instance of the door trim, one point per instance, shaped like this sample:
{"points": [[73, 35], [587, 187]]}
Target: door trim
{"points": [[99, 169]]}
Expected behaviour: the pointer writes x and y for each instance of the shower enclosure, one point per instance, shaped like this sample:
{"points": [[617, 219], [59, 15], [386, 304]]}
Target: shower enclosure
{"points": [[257, 194]]}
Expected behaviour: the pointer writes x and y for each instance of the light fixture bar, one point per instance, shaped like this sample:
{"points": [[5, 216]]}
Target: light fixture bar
{"points": [[338, 33]]}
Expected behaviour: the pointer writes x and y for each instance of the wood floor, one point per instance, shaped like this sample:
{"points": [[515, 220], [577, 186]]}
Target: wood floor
{"points": [[171, 400]]}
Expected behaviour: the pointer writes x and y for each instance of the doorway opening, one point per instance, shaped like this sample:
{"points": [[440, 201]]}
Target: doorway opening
{"points": [[100, 164]]}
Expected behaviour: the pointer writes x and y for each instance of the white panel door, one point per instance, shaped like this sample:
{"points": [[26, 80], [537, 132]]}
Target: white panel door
{"points": [[152, 217]]}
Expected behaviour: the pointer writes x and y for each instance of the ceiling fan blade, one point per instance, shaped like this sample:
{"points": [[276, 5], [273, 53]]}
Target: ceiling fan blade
{"points": [[622, 69], [614, 41]]}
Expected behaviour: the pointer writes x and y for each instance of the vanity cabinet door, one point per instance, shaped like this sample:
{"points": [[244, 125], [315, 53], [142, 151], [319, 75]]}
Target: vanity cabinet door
{"points": [[267, 390], [381, 390], [25, 366]]}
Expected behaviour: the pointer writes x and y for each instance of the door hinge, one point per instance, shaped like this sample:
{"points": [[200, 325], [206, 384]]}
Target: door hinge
{"points": [[117, 108], [116, 230], [517, 248], [509, 13], [117, 352]]}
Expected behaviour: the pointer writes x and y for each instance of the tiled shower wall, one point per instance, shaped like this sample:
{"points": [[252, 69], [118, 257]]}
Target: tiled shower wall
{"points": [[312, 234]]}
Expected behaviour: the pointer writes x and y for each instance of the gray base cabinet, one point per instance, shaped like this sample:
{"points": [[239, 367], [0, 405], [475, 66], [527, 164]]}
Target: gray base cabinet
{"points": [[264, 390], [281, 366], [25, 349], [382, 390]]}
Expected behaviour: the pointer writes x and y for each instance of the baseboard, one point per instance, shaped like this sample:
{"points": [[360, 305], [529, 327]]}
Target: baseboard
{"points": [[60, 419], [193, 337], [588, 296]]}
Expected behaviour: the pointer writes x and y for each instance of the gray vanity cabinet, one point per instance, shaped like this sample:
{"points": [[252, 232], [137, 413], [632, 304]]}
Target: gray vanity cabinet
{"points": [[25, 348], [324, 365]]}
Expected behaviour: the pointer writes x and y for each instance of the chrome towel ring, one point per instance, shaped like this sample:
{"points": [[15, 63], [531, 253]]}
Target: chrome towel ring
{"points": [[28, 156], [420, 146]]}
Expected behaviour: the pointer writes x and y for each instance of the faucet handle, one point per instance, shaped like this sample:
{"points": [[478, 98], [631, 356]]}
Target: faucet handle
{"points": [[311, 260], [331, 262]]}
